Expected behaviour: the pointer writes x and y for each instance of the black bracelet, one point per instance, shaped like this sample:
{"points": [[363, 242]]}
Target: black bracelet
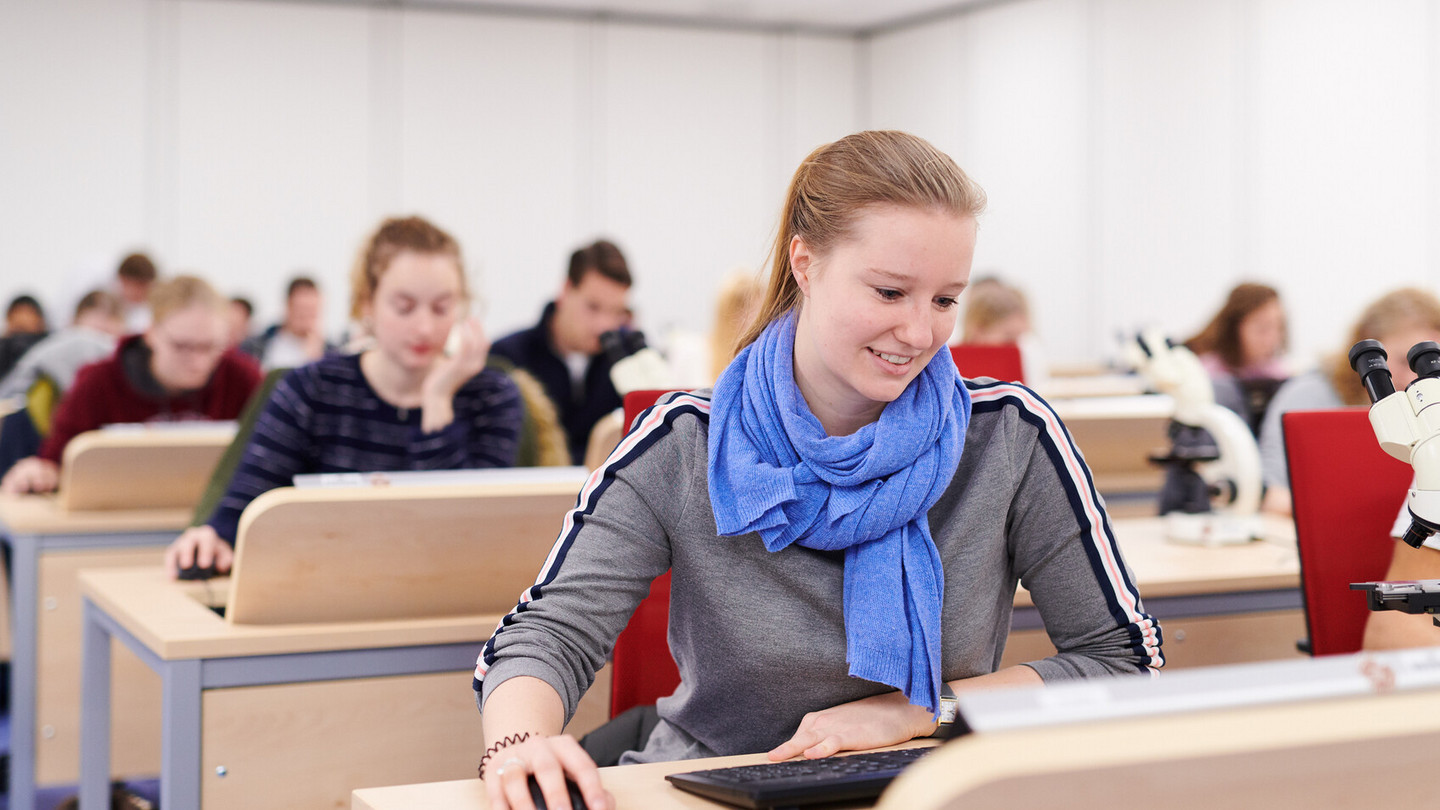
{"points": [[513, 739]]}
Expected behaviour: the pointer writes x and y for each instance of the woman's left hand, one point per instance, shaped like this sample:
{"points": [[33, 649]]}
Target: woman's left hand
{"points": [[449, 373], [860, 725]]}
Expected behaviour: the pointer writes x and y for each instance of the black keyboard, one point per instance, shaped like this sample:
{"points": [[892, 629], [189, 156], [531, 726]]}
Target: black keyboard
{"points": [[800, 782]]}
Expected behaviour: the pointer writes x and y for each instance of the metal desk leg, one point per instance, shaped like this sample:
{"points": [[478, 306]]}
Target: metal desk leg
{"points": [[95, 711], [180, 745], [23, 670]]}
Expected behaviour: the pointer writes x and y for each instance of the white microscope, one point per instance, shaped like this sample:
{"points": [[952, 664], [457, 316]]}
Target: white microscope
{"points": [[1407, 426], [1212, 485]]}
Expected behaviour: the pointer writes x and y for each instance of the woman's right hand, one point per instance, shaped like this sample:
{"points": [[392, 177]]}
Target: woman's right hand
{"points": [[551, 759], [198, 545], [33, 474]]}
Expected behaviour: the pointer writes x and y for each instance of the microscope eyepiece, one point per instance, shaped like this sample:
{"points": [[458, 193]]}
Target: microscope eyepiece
{"points": [[1424, 358], [1368, 359]]}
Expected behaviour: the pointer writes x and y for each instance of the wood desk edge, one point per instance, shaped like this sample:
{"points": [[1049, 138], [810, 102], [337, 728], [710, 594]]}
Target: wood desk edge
{"points": [[172, 620], [985, 758], [469, 794], [42, 514]]}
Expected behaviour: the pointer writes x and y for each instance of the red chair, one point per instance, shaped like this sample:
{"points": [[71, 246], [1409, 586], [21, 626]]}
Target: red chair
{"points": [[1001, 362], [642, 668], [1346, 493]]}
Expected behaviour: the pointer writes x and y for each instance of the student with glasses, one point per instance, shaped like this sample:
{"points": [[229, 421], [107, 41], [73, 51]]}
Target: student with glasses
{"points": [[176, 370]]}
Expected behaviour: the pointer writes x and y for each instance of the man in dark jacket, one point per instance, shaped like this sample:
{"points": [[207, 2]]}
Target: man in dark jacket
{"points": [[563, 350]]}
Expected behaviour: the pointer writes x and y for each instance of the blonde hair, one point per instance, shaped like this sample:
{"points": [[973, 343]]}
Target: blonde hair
{"points": [[992, 301], [180, 293], [735, 307], [833, 186], [393, 237], [1400, 309]]}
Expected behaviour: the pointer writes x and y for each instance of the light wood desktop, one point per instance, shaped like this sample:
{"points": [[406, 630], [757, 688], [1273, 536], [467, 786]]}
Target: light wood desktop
{"points": [[633, 786], [1348, 752], [50, 541], [1307, 753], [1221, 605], [296, 714]]}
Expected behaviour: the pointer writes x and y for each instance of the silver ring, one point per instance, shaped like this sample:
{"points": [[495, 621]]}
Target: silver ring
{"points": [[500, 771]]}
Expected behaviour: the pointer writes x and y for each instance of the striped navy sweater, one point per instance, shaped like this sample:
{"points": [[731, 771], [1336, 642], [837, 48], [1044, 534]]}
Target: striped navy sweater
{"points": [[325, 417], [759, 637]]}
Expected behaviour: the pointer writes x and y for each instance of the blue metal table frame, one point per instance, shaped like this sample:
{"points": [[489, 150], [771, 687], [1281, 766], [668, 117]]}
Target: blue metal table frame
{"points": [[185, 680], [26, 550]]}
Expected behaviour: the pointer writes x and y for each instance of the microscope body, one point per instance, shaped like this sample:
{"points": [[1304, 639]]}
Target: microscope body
{"points": [[1213, 452], [1407, 425]]}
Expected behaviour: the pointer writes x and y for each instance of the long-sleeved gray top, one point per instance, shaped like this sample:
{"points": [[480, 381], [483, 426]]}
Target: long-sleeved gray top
{"points": [[759, 637]]}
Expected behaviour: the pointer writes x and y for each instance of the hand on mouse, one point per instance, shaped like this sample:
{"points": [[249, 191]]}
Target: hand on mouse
{"points": [[198, 546], [551, 760]]}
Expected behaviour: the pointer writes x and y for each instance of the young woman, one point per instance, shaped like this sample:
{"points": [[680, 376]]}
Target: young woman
{"points": [[401, 405], [178, 369], [1242, 348], [1398, 319], [837, 561]]}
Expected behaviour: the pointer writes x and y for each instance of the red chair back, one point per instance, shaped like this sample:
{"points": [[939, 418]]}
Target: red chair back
{"points": [[1001, 362], [1346, 493], [642, 669]]}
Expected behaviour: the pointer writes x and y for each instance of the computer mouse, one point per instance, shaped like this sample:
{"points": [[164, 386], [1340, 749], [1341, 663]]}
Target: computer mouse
{"points": [[194, 571], [577, 801]]}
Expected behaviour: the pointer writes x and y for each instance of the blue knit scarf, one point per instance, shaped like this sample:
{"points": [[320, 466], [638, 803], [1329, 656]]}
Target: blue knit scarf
{"points": [[774, 471]]}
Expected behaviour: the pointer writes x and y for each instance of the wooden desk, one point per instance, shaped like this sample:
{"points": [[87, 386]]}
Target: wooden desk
{"points": [[294, 715], [1117, 434], [635, 787], [1222, 605], [48, 545], [1344, 751]]}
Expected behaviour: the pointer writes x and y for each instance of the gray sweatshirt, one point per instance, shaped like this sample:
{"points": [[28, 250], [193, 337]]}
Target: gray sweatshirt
{"points": [[759, 637]]}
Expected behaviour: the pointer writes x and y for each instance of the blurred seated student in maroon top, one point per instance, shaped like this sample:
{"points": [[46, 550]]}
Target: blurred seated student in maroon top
{"points": [[177, 370]]}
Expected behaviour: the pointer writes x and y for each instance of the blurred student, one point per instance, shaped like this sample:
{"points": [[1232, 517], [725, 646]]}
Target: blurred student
{"points": [[1399, 320], [1242, 349], [299, 338], [133, 280], [240, 314], [24, 316], [91, 337], [24, 327], [998, 314], [736, 306], [563, 350], [400, 405], [176, 370]]}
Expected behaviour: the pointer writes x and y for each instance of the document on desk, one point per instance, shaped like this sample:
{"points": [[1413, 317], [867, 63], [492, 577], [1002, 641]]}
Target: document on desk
{"points": [[182, 426], [1203, 688]]}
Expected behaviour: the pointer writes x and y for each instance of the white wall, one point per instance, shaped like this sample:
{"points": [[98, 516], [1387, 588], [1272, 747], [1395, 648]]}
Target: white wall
{"points": [[1144, 155], [248, 140], [1141, 155]]}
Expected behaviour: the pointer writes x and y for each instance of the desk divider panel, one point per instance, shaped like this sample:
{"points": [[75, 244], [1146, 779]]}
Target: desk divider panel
{"points": [[142, 468], [355, 554]]}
